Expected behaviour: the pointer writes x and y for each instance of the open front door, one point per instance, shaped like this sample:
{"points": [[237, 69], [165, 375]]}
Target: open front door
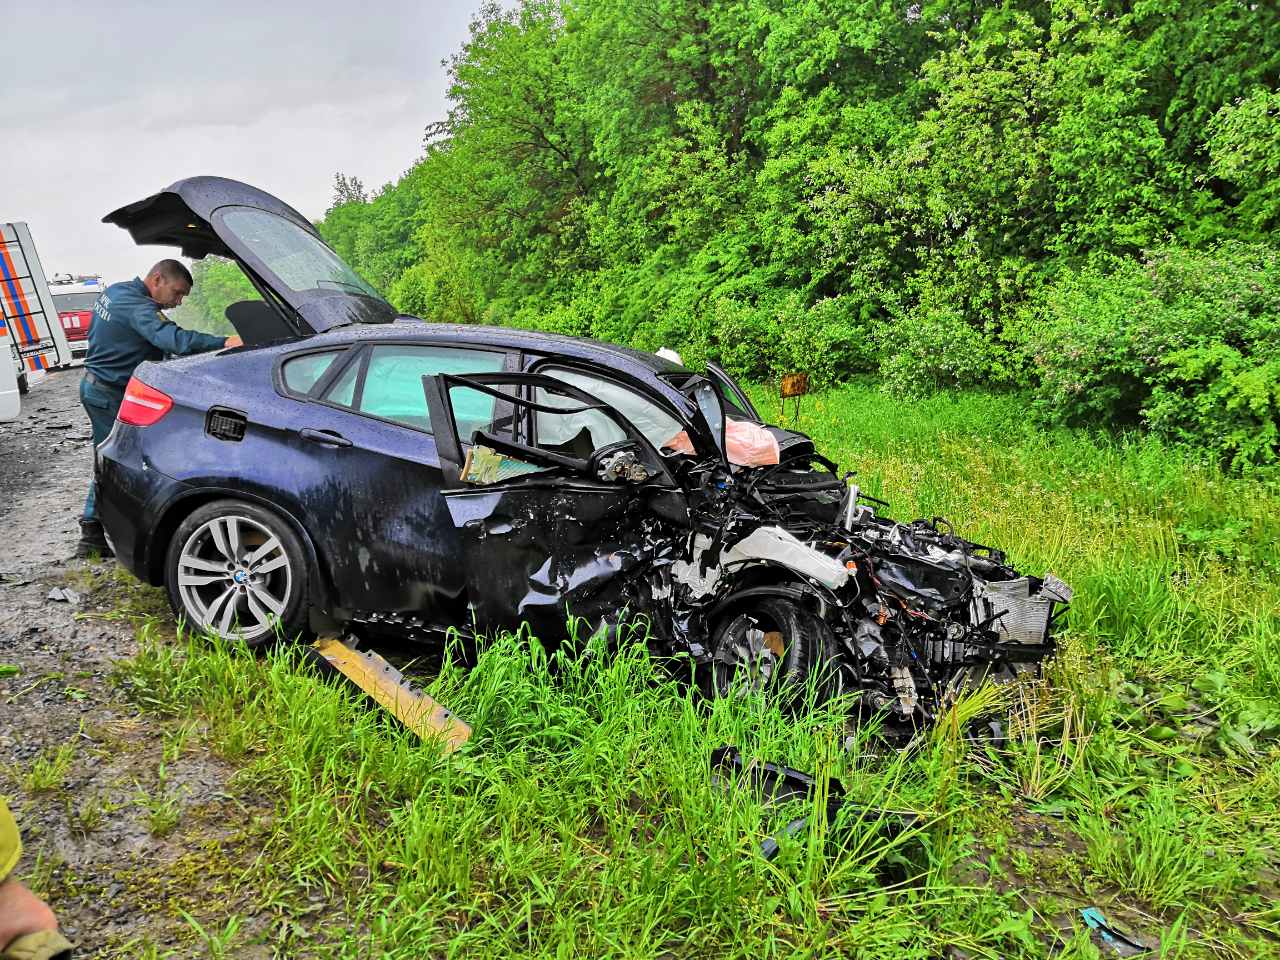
{"points": [[553, 522]]}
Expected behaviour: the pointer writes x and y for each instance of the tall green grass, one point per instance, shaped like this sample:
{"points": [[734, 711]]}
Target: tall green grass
{"points": [[583, 819]]}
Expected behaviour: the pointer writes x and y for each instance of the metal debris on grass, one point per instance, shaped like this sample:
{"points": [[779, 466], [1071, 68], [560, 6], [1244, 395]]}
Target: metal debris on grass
{"points": [[777, 784], [1106, 935]]}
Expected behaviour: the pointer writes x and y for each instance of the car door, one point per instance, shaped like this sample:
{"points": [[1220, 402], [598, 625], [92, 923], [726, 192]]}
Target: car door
{"points": [[370, 480], [733, 394], [562, 523]]}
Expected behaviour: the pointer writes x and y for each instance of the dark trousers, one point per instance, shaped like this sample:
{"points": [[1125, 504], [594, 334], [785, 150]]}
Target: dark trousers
{"points": [[101, 401]]}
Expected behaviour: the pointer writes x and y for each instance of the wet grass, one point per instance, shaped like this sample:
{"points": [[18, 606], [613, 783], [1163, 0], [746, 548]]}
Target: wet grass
{"points": [[48, 770], [1141, 775]]}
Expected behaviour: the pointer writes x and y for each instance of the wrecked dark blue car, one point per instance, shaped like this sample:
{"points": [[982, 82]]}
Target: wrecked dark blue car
{"points": [[353, 470]]}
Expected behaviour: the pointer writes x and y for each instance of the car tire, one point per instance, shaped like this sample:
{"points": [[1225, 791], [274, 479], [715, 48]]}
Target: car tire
{"points": [[238, 571], [772, 647], [23, 384]]}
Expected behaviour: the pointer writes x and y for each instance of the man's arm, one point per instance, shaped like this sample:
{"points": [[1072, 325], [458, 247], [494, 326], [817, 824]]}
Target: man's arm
{"points": [[166, 335]]}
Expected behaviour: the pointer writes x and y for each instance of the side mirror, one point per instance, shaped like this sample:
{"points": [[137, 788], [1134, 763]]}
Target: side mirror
{"points": [[619, 463]]}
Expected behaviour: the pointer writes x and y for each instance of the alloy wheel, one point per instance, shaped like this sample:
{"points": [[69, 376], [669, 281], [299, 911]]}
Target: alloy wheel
{"points": [[748, 656], [234, 577]]}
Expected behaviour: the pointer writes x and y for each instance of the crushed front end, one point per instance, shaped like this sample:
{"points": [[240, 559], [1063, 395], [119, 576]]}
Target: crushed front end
{"points": [[908, 615]]}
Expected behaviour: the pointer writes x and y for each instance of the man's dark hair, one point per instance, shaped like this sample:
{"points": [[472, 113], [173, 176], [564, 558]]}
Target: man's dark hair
{"points": [[172, 271]]}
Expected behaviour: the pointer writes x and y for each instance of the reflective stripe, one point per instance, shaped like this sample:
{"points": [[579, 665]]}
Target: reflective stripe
{"points": [[13, 291]]}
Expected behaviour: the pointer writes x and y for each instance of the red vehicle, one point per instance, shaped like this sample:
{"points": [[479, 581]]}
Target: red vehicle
{"points": [[74, 298]]}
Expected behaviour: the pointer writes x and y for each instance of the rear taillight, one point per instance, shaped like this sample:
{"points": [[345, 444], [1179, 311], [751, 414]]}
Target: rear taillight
{"points": [[143, 405]]}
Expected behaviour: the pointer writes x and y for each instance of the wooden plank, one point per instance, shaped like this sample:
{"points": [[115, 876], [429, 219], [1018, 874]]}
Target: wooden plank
{"points": [[390, 690]]}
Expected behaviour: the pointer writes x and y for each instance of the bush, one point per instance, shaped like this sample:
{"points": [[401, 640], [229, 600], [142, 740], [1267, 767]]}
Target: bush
{"points": [[1185, 342], [828, 340], [759, 341], [1214, 397], [746, 338], [933, 346]]}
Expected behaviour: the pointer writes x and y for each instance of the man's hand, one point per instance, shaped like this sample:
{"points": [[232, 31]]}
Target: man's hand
{"points": [[232, 342], [22, 912]]}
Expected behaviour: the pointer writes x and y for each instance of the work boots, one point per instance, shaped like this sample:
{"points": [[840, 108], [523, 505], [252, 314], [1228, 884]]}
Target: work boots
{"points": [[92, 540]]}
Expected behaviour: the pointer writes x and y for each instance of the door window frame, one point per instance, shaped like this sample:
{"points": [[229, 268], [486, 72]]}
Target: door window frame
{"points": [[604, 373], [451, 448]]}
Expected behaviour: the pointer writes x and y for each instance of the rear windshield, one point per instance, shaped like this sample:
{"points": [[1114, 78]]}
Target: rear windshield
{"points": [[68, 302], [298, 258]]}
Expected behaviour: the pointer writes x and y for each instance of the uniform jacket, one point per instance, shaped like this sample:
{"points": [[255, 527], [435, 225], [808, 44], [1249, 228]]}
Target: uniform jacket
{"points": [[128, 329]]}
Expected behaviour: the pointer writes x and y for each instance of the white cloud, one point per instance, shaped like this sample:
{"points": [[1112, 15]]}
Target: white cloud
{"points": [[105, 104]]}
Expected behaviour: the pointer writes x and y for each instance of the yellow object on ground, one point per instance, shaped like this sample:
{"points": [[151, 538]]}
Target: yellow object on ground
{"points": [[10, 842], [45, 945], [391, 691]]}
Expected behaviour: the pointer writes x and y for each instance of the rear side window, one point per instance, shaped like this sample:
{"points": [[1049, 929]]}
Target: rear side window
{"points": [[391, 386], [301, 373]]}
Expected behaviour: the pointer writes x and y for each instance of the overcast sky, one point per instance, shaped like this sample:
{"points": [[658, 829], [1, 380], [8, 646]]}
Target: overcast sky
{"points": [[105, 103]]}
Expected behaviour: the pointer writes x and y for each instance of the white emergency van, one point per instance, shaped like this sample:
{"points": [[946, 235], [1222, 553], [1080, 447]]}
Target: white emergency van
{"points": [[74, 297]]}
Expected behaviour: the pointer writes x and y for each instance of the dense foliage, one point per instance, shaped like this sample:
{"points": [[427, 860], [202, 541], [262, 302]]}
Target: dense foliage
{"points": [[913, 187]]}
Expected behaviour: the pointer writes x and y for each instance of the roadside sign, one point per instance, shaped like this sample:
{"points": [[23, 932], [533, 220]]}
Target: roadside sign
{"points": [[792, 385], [32, 330]]}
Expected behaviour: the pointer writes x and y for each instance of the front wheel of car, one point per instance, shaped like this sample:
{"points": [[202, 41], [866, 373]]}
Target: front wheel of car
{"points": [[770, 647], [238, 571]]}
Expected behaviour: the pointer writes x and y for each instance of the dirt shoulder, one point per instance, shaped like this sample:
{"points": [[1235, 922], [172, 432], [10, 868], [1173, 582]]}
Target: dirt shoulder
{"points": [[125, 821]]}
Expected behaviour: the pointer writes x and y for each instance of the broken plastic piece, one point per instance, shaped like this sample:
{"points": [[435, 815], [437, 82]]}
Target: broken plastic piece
{"points": [[778, 784], [1120, 944], [1055, 589], [390, 690]]}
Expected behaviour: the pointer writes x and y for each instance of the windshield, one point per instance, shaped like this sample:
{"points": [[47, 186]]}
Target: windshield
{"points": [[69, 302], [658, 426], [298, 259]]}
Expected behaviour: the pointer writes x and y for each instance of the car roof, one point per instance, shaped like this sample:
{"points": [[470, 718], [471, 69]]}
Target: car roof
{"points": [[510, 338]]}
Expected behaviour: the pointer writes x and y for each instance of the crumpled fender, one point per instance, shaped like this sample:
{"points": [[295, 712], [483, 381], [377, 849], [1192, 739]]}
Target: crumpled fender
{"points": [[799, 592]]}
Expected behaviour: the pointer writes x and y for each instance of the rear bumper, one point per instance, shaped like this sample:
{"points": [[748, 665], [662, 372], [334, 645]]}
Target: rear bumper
{"points": [[132, 497]]}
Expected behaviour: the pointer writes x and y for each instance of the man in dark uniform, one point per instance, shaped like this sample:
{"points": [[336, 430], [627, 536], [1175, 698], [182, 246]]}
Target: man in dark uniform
{"points": [[128, 329]]}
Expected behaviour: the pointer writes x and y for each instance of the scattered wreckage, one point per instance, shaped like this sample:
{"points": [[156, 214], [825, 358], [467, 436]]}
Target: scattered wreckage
{"points": [[354, 471]]}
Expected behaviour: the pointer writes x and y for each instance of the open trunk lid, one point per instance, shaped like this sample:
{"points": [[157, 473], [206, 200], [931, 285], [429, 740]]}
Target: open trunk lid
{"points": [[309, 287]]}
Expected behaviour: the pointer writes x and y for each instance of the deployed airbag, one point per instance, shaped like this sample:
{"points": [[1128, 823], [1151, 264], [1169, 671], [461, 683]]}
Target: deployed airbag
{"points": [[748, 444]]}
